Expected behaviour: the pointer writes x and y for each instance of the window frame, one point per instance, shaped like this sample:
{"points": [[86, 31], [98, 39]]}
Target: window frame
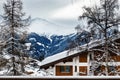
{"points": [[65, 69]]}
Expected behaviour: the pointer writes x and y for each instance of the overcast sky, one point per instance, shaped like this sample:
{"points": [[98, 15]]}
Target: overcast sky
{"points": [[64, 13]]}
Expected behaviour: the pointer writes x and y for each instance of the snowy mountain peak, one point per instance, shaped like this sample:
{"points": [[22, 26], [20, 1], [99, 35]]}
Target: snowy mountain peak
{"points": [[43, 46]]}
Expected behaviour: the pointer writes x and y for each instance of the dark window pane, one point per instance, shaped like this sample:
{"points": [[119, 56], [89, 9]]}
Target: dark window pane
{"points": [[62, 69], [67, 69], [75, 68]]}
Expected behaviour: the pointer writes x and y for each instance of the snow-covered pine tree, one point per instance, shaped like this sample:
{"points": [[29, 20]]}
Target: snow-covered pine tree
{"points": [[104, 18], [12, 27]]}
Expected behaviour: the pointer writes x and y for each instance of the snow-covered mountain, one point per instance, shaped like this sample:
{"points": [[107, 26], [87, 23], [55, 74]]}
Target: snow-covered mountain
{"points": [[42, 46]]}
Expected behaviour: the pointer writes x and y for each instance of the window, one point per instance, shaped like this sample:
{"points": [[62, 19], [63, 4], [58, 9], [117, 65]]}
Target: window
{"points": [[75, 68], [64, 68], [67, 69], [112, 68], [91, 58]]}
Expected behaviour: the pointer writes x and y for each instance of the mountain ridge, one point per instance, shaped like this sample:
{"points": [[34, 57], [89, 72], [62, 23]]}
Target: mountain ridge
{"points": [[43, 46]]}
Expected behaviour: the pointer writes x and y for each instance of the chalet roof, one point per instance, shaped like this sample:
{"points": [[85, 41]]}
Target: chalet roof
{"points": [[68, 53]]}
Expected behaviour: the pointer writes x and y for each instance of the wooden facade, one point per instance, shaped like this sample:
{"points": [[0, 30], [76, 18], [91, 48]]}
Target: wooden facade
{"points": [[83, 58], [80, 64], [83, 69]]}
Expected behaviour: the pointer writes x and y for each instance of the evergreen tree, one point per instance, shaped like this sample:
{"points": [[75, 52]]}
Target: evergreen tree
{"points": [[13, 28]]}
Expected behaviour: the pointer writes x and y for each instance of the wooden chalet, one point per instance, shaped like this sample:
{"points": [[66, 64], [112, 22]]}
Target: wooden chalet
{"points": [[80, 60]]}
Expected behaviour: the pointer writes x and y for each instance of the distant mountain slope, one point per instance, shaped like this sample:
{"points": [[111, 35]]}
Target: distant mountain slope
{"points": [[42, 46]]}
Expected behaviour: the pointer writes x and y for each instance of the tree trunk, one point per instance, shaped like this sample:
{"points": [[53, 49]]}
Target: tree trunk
{"points": [[106, 53], [14, 70], [12, 35], [22, 67]]}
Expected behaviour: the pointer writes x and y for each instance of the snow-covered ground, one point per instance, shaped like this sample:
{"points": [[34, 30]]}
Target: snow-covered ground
{"points": [[31, 69]]}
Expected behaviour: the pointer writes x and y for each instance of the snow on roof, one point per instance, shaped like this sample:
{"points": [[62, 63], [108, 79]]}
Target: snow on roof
{"points": [[66, 53], [91, 44], [61, 55], [54, 58]]}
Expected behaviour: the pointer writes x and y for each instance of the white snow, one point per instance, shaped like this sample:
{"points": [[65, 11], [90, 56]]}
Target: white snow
{"points": [[30, 70], [40, 44], [38, 72], [76, 50], [63, 55], [60, 56], [28, 45], [7, 56], [3, 71], [54, 58], [38, 62], [32, 39]]}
